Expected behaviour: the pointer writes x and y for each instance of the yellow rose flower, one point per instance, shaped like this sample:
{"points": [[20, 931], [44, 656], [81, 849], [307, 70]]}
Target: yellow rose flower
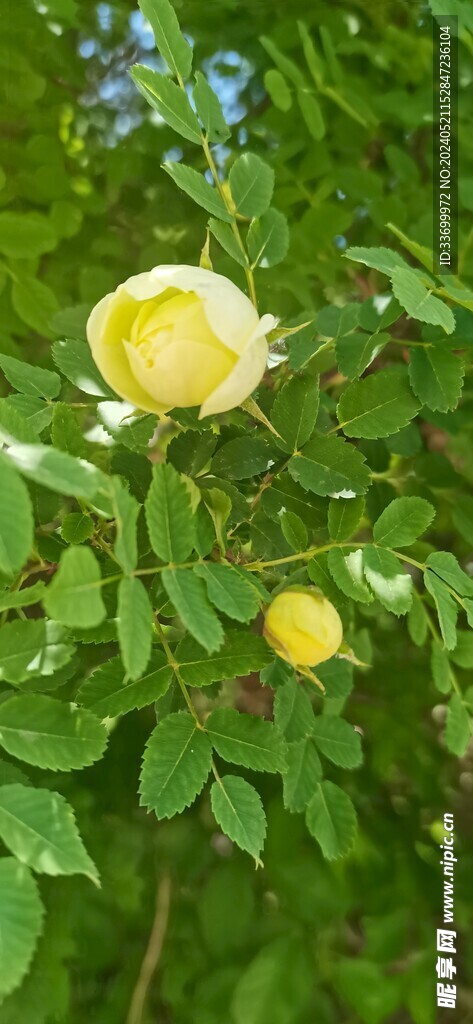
{"points": [[303, 627], [179, 336]]}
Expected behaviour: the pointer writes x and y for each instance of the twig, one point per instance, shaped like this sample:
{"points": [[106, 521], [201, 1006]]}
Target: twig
{"points": [[153, 951]]}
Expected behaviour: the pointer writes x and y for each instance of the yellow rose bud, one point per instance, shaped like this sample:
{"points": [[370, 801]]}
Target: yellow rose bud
{"points": [[179, 336], [303, 627]]}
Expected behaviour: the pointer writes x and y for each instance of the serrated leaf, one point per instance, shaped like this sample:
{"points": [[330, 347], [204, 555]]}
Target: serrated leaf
{"points": [[74, 596], [356, 351], [446, 566], [74, 359], [32, 647], [331, 466], [246, 740], [229, 591], [29, 379], [293, 712], [388, 581], [338, 741], [403, 521], [377, 406], [50, 734], [209, 110], [169, 515], [58, 471], [440, 668], [21, 920], [240, 654], [336, 674], [66, 434], [196, 186], [319, 572], [77, 527], [462, 516], [13, 425], [169, 39], [120, 421], [107, 692], [251, 182], [238, 810], [347, 571], [294, 531], [16, 520], [436, 377], [134, 625], [458, 729], [241, 458], [303, 773], [22, 598], [447, 608], [37, 413], [176, 765], [463, 653], [39, 828], [189, 597], [286, 494], [294, 412], [419, 302], [224, 235], [190, 451], [417, 622], [268, 239], [331, 819], [344, 517], [312, 114], [126, 509], [171, 102], [379, 258]]}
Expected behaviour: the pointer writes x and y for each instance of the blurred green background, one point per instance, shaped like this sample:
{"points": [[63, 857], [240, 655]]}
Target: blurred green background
{"points": [[299, 941]]}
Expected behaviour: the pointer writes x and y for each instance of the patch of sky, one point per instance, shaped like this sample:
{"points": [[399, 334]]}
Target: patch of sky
{"points": [[228, 74], [340, 242], [104, 16]]}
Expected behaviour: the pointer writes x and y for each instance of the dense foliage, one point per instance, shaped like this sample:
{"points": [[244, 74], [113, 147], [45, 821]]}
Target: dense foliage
{"points": [[287, 146]]}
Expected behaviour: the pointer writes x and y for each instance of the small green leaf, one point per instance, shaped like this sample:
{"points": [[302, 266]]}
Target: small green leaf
{"points": [[403, 521], [126, 509], [268, 239], [384, 260], [14, 426], [240, 654], [196, 186], [58, 471], [293, 712], [312, 114], [21, 921], [294, 412], [50, 734], [388, 581], [189, 597], [446, 566], [246, 740], [74, 596], [303, 773], [463, 653], [356, 351], [209, 110], [278, 89], [169, 39], [169, 515], [294, 531], [22, 598], [331, 466], [447, 608], [176, 765], [26, 235], [347, 571], [436, 377], [229, 591], [32, 647], [134, 625], [286, 66], [16, 520], [417, 622], [377, 406], [251, 182], [30, 380], [241, 458], [338, 741], [171, 102], [419, 302], [238, 810], [76, 527], [331, 819], [344, 517], [440, 667], [74, 359], [120, 421], [458, 730], [107, 692], [224, 235], [39, 828]]}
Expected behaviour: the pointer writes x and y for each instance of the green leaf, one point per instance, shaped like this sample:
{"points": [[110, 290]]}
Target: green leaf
{"points": [[39, 828], [278, 89], [22, 598], [26, 235], [417, 622], [58, 471], [176, 765], [74, 359], [169, 515], [458, 729], [462, 516], [34, 303], [65, 431], [238, 811], [294, 531], [30, 380], [13, 425], [50, 734], [209, 110], [21, 922], [246, 740], [37, 413], [331, 819], [377, 406], [294, 412], [419, 302], [337, 676], [169, 39], [229, 591], [338, 741], [134, 625], [356, 351], [196, 186], [320, 574], [293, 712], [344, 517], [32, 647], [241, 458], [436, 377], [189, 597], [74, 596], [447, 608], [240, 654], [384, 260], [440, 668], [312, 114], [403, 521], [268, 239], [120, 421], [347, 571], [314, 61], [108, 694], [224, 235], [463, 653], [251, 182], [16, 521], [388, 581], [77, 527], [331, 466], [171, 102], [126, 509], [445, 565], [303, 773], [285, 64]]}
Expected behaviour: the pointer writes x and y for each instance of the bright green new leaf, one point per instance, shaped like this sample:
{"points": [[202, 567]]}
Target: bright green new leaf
{"points": [[169, 515], [171, 102], [238, 810], [21, 921], [247, 740], [74, 596], [331, 466], [331, 819], [176, 765], [198, 188], [134, 625], [77, 527], [402, 522], [251, 183], [49, 733], [377, 406], [169, 39]]}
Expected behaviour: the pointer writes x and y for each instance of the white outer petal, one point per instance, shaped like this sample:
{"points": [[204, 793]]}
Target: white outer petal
{"points": [[239, 384]]}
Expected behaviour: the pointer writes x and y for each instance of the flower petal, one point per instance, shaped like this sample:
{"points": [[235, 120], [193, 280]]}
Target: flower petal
{"points": [[240, 382]]}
